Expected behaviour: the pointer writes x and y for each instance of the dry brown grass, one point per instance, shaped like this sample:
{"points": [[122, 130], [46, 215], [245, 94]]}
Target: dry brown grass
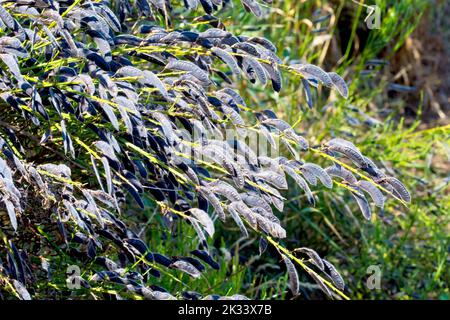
{"points": [[423, 62]]}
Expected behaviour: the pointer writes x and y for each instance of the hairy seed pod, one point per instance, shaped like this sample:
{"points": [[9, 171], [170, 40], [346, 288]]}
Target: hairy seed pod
{"points": [[246, 47], [348, 149], [263, 42], [319, 173], [225, 189], [339, 84], [236, 96], [228, 59], [189, 67], [373, 191], [363, 204], [320, 283], [335, 276], [255, 200], [279, 124], [342, 173], [276, 179], [244, 211], [301, 141], [209, 195], [399, 188], [314, 256], [251, 65], [204, 219], [234, 214], [300, 182], [309, 70], [187, 268], [294, 283]]}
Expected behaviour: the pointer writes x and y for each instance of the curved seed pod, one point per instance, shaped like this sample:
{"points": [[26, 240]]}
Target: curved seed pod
{"points": [[125, 117], [267, 135], [166, 126], [279, 124], [319, 173], [156, 295], [301, 141], [274, 75], [225, 189], [277, 231], [266, 214], [111, 116], [108, 15], [190, 173], [253, 7], [246, 47], [251, 65], [372, 169], [216, 155], [238, 177], [334, 274], [254, 200], [399, 188], [7, 19], [151, 79], [270, 227], [129, 71], [363, 204], [11, 213], [386, 185], [20, 288], [263, 42], [301, 183], [308, 95], [347, 149], [274, 196], [294, 283], [273, 164], [10, 61], [262, 245], [215, 33], [276, 179], [234, 214], [204, 219], [186, 267], [373, 191], [339, 84], [189, 67], [108, 175], [342, 173], [320, 282], [235, 117], [207, 194], [228, 59], [290, 148], [199, 231], [309, 176], [314, 256], [309, 70], [236, 96], [340, 141], [205, 256], [244, 211], [245, 150]]}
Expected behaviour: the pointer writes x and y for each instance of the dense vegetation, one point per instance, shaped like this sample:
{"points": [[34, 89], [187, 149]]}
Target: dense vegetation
{"points": [[134, 138]]}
